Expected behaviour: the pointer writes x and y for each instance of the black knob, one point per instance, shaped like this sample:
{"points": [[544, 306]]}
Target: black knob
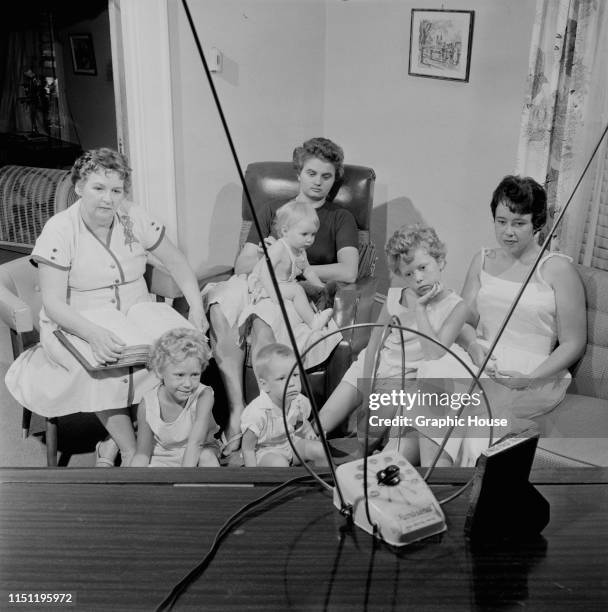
{"points": [[389, 476]]}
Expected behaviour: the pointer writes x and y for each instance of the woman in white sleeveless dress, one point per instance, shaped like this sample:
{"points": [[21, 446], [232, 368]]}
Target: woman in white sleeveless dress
{"points": [[545, 335]]}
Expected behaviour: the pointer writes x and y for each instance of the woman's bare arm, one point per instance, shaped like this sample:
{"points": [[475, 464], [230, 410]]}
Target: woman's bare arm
{"points": [[468, 336], [345, 270], [470, 289], [179, 268], [247, 258], [571, 317]]}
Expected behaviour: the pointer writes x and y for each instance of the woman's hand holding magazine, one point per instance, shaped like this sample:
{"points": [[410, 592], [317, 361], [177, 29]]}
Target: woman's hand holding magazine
{"points": [[126, 338]]}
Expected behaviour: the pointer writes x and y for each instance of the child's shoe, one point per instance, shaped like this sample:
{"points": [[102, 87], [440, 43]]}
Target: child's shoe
{"points": [[106, 452]]}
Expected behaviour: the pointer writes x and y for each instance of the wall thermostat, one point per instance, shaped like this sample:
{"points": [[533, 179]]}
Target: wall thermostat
{"points": [[215, 60]]}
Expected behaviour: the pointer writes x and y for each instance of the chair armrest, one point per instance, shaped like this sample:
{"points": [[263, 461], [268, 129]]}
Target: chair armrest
{"points": [[14, 312], [353, 304], [161, 283], [213, 274]]}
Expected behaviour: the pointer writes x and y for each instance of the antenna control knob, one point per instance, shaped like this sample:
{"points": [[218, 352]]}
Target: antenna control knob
{"points": [[389, 476]]}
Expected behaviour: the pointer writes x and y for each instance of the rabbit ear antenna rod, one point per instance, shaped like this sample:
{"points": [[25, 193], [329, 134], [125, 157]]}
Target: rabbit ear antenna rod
{"points": [[272, 274]]}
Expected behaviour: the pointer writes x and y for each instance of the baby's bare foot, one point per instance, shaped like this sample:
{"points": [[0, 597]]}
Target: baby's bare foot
{"points": [[321, 319]]}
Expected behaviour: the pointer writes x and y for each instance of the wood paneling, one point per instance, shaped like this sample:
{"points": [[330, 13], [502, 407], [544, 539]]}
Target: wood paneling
{"points": [[120, 547]]}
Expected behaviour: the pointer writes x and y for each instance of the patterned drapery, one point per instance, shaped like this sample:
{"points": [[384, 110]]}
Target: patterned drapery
{"points": [[565, 106], [32, 93]]}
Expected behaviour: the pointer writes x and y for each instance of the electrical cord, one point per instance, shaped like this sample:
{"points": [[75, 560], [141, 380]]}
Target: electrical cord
{"points": [[169, 601]]}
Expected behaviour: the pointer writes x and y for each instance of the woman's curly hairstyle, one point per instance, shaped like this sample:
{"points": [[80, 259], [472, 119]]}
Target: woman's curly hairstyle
{"points": [[104, 159], [176, 345], [323, 149], [402, 245], [522, 195]]}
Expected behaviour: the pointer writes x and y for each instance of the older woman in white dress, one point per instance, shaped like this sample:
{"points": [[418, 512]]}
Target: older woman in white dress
{"points": [[93, 255]]}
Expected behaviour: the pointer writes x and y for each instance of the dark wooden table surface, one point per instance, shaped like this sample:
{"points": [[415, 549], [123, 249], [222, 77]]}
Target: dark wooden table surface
{"points": [[120, 539]]}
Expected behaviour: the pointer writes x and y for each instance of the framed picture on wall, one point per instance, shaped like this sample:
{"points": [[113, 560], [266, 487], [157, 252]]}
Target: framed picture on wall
{"points": [[83, 54], [440, 44]]}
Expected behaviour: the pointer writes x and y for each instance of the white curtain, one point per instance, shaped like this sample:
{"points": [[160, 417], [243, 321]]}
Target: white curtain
{"points": [[565, 107]]}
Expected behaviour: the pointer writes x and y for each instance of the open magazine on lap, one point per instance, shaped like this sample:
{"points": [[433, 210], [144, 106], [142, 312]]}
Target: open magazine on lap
{"points": [[138, 328]]}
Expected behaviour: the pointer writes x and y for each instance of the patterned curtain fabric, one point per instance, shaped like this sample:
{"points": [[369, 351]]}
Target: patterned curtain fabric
{"points": [[32, 98], [565, 107], [14, 111]]}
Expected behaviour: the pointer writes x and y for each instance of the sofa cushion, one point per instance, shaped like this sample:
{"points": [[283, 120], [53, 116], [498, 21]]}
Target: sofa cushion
{"points": [[590, 374], [577, 430]]}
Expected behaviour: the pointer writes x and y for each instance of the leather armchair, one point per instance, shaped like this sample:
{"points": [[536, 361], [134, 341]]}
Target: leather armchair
{"points": [[276, 182]]}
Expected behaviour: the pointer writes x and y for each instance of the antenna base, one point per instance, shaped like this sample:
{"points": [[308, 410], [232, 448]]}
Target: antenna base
{"points": [[400, 513]]}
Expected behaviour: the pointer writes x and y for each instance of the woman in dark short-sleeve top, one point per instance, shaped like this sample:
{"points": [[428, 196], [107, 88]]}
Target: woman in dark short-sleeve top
{"points": [[334, 256]]}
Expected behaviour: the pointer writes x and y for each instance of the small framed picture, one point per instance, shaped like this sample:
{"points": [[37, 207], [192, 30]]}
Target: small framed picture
{"points": [[440, 44], [83, 54]]}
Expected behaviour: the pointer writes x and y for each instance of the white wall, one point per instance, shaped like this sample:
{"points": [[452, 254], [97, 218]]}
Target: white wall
{"points": [[438, 147], [272, 92], [300, 68]]}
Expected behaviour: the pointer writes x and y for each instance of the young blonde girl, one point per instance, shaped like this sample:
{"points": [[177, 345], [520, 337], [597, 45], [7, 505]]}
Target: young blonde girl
{"points": [[175, 424]]}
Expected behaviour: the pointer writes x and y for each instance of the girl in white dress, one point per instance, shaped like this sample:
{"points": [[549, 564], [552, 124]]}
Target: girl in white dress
{"points": [[175, 424], [415, 257]]}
